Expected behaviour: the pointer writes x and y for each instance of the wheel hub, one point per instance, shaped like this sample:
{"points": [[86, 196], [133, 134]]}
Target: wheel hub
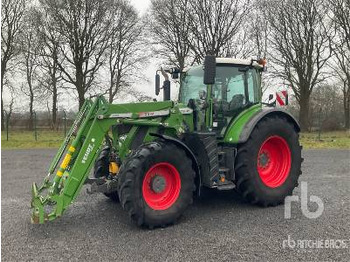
{"points": [[264, 159], [158, 183]]}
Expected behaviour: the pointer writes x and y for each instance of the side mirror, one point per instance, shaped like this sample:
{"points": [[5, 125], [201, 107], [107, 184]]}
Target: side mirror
{"points": [[157, 84], [174, 72], [270, 97], [209, 70], [175, 75], [287, 100], [271, 101]]}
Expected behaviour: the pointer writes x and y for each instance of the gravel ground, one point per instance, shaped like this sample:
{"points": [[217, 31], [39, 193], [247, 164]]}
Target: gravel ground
{"points": [[220, 226]]}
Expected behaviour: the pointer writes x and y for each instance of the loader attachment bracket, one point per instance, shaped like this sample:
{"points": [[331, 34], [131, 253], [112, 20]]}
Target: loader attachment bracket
{"points": [[38, 215]]}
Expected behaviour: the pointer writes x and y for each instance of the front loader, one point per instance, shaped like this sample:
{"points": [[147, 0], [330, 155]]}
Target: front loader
{"points": [[154, 156]]}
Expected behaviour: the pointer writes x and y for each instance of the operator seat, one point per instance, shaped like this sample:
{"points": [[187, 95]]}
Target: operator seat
{"points": [[236, 102]]}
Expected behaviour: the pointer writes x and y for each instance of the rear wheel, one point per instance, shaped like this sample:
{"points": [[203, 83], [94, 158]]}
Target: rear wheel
{"points": [[268, 165], [156, 184], [101, 169]]}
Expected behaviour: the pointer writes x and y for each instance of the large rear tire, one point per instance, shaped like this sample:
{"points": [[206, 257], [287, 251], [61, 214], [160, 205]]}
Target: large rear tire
{"points": [[101, 169], [268, 165], [156, 184]]}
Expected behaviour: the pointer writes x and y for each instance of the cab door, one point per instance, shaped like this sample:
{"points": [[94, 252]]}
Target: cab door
{"points": [[235, 89]]}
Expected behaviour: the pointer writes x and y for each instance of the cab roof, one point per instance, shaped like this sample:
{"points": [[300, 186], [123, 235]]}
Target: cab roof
{"points": [[235, 61], [232, 61]]}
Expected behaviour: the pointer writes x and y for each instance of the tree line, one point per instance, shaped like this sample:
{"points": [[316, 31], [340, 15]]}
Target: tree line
{"points": [[60, 45], [100, 45]]}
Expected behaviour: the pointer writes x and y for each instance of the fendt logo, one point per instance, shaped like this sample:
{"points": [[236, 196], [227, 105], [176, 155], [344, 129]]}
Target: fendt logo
{"points": [[88, 150]]}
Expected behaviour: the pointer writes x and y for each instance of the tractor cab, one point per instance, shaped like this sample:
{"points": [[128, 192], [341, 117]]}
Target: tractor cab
{"points": [[237, 86]]}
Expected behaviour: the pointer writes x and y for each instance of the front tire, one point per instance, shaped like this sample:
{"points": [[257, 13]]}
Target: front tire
{"points": [[268, 165], [101, 169], [156, 184]]}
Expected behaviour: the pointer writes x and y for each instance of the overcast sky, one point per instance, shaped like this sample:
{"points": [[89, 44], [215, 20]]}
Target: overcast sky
{"points": [[141, 5]]}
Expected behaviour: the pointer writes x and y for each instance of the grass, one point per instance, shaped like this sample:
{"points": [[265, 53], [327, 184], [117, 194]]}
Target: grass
{"points": [[335, 139], [53, 139], [25, 139]]}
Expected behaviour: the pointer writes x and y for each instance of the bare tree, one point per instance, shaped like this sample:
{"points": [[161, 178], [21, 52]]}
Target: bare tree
{"points": [[125, 50], [30, 52], [9, 112], [341, 46], [84, 27], [185, 31], [12, 12], [170, 30], [259, 30], [50, 58], [300, 46], [140, 96], [325, 107], [215, 25]]}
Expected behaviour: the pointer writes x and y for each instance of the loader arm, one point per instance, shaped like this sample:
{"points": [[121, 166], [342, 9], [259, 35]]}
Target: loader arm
{"points": [[64, 181], [71, 166]]}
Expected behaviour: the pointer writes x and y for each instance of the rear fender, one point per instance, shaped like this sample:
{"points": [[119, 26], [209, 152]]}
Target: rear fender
{"points": [[237, 134]]}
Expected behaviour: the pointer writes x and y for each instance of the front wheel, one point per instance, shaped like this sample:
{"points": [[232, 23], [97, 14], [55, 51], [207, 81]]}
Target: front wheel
{"points": [[268, 165], [156, 184], [101, 169]]}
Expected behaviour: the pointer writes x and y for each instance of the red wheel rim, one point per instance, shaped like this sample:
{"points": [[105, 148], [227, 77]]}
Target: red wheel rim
{"points": [[274, 161], [161, 186]]}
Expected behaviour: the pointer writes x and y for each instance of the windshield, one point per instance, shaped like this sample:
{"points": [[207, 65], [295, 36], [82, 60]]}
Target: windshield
{"points": [[191, 84], [229, 84]]}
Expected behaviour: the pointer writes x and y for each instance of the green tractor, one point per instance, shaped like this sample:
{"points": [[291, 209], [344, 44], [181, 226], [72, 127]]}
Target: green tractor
{"points": [[154, 157]]}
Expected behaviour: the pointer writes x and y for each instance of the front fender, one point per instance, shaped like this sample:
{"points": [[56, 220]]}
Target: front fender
{"points": [[183, 146]]}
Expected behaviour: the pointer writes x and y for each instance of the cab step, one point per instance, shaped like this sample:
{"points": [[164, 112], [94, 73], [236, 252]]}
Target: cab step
{"points": [[226, 186]]}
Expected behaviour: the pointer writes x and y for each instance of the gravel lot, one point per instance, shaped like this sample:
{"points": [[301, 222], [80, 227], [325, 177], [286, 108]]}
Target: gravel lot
{"points": [[220, 226]]}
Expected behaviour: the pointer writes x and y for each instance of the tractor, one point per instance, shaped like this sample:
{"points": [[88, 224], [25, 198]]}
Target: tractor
{"points": [[155, 157]]}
